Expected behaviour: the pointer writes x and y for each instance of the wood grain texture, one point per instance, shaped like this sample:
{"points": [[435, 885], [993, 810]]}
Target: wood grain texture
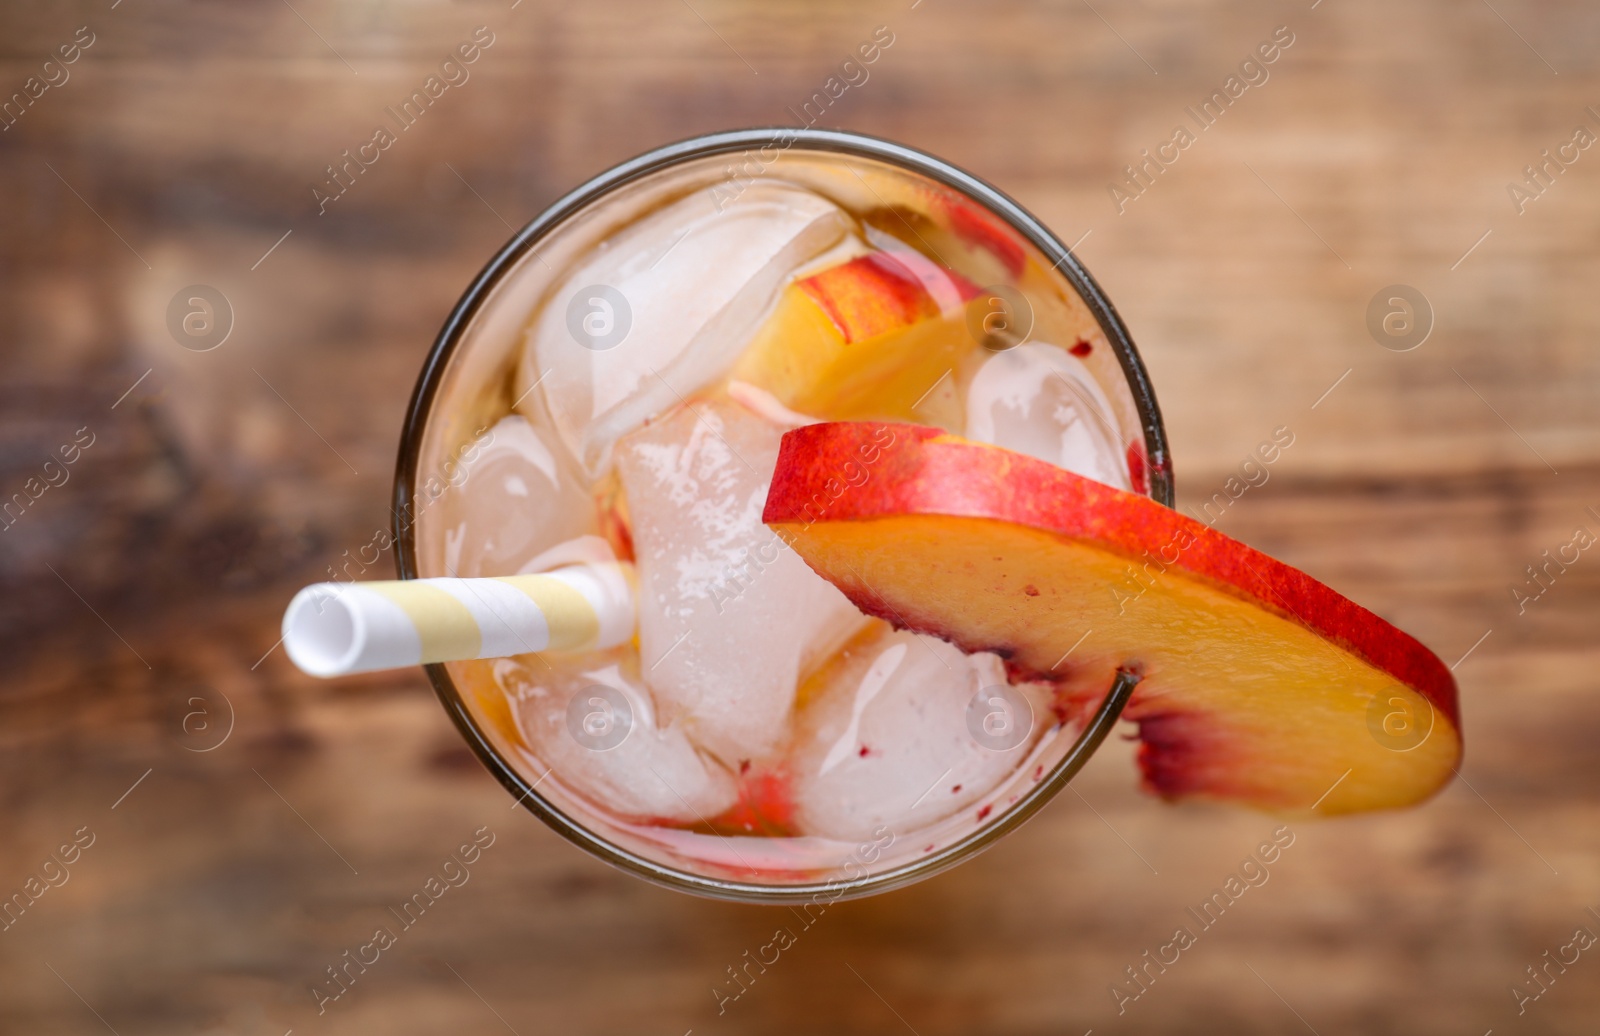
{"points": [[186, 142]]}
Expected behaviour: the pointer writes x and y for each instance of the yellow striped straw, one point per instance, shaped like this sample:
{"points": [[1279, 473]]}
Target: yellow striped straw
{"points": [[333, 629]]}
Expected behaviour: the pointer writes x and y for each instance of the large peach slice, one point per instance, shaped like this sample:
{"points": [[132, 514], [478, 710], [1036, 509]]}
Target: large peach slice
{"points": [[1259, 684], [867, 338]]}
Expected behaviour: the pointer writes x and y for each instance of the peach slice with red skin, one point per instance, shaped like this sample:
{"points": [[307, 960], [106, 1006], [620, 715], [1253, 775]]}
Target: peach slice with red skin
{"points": [[1259, 684], [866, 338]]}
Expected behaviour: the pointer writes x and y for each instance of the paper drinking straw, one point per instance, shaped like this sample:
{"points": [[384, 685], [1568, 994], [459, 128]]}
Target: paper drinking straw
{"points": [[332, 629]]}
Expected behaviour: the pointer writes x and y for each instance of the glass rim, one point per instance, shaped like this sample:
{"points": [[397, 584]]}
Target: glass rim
{"points": [[1158, 475]]}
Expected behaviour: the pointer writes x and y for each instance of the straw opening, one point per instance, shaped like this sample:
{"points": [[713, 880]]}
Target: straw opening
{"points": [[321, 632]]}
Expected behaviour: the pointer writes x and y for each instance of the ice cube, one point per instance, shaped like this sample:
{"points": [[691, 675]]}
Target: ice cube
{"points": [[901, 730], [658, 311], [596, 726], [729, 617], [1043, 401], [516, 502]]}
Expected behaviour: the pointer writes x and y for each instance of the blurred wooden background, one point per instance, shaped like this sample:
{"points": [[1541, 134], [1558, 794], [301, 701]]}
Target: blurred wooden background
{"points": [[141, 598]]}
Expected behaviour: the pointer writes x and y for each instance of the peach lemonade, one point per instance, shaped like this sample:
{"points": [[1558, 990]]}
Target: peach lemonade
{"points": [[957, 452]]}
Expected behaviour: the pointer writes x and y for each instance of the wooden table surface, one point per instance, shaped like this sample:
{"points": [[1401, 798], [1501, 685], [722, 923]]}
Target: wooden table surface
{"points": [[139, 600]]}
